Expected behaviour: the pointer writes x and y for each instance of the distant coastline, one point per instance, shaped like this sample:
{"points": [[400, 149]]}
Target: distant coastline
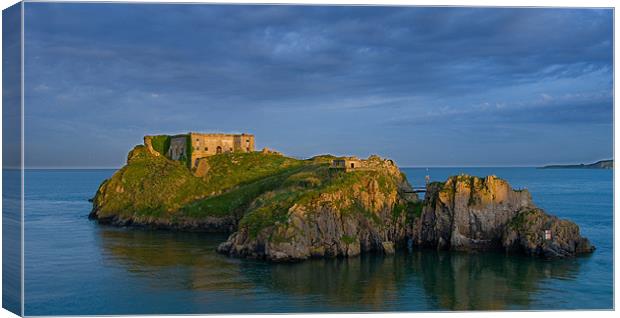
{"points": [[602, 164]]}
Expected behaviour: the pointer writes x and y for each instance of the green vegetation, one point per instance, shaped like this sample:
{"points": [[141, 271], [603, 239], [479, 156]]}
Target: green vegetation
{"points": [[257, 190], [323, 158], [274, 211], [437, 184], [348, 239], [236, 201], [522, 221], [149, 185], [234, 169], [161, 143], [412, 210]]}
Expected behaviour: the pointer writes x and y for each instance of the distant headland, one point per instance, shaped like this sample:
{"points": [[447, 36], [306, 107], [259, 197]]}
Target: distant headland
{"points": [[602, 164], [280, 208]]}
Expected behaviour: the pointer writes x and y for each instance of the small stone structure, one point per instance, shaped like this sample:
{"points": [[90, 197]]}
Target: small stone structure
{"points": [[349, 164], [205, 145]]}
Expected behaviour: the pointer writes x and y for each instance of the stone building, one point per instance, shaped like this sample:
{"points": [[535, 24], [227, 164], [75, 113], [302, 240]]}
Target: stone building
{"points": [[347, 163], [353, 163], [204, 145]]}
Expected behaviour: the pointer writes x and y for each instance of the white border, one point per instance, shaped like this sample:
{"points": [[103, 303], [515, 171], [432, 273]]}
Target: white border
{"points": [[480, 3]]}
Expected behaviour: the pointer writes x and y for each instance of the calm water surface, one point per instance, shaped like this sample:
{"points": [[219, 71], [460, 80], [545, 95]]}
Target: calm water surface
{"points": [[75, 266]]}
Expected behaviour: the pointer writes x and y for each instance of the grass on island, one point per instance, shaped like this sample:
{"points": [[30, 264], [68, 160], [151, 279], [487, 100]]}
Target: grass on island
{"points": [[258, 189], [232, 169], [305, 188], [160, 143], [237, 200], [150, 185]]}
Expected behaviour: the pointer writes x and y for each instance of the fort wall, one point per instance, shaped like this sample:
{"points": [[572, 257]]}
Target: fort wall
{"points": [[205, 145], [178, 147]]}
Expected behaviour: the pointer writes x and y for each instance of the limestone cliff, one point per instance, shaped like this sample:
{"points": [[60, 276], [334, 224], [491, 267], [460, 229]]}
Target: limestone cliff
{"points": [[354, 212], [470, 213], [526, 233], [296, 208], [280, 208]]}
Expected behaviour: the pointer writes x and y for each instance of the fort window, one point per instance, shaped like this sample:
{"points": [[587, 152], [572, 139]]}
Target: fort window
{"points": [[247, 149], [206, 148], [352, 165], [230, 149], [218, 149]]}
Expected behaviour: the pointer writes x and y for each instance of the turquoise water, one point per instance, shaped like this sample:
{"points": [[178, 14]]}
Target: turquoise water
{"points": [[75, 266]]}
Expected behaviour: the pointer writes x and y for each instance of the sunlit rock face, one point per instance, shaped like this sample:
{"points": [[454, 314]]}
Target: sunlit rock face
{"points": [[355, 212], [286, 209], [469, 213]]}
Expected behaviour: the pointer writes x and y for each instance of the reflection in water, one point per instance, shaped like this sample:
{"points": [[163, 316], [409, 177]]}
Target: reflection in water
{"points": [[489, 281], [370, 281], [173, 260], [421, 280], [75, 266]]}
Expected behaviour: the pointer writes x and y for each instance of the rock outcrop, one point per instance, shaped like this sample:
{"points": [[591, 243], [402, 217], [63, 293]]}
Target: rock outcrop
{"points": [[154, 191], [284, 209], [534, 232], [281, 208], [362, 211], [469, 213]]}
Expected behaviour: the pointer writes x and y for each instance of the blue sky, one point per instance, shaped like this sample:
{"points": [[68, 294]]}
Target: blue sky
{"points": [[423, 86]]}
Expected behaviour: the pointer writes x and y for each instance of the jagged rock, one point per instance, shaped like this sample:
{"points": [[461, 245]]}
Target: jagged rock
{"points": [[358, 216], [388, 248], [470, 213], [148, 143], [286, 209], [527, 232]]}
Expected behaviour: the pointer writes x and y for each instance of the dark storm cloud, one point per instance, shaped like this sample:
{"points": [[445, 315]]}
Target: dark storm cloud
{"points": [[124, 70]]}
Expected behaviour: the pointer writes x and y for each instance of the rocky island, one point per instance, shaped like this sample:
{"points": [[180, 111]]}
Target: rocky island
{"points": [[284, 209]]}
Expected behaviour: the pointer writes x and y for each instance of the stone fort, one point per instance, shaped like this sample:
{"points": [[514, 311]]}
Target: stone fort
{"points": [[204, 145]]}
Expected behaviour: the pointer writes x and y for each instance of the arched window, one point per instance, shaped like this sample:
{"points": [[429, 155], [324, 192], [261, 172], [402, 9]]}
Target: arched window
{"points": [[218, 149]]}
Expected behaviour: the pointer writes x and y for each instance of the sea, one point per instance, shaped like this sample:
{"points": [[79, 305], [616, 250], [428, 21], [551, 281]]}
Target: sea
{"points": [[75, 266]]}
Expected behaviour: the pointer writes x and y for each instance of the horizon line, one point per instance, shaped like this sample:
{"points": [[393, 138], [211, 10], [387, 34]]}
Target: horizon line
{"points": [[402, 167]]}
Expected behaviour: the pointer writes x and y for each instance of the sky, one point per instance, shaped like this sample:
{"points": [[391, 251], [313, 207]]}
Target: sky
{"points": [[423, 86]]}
